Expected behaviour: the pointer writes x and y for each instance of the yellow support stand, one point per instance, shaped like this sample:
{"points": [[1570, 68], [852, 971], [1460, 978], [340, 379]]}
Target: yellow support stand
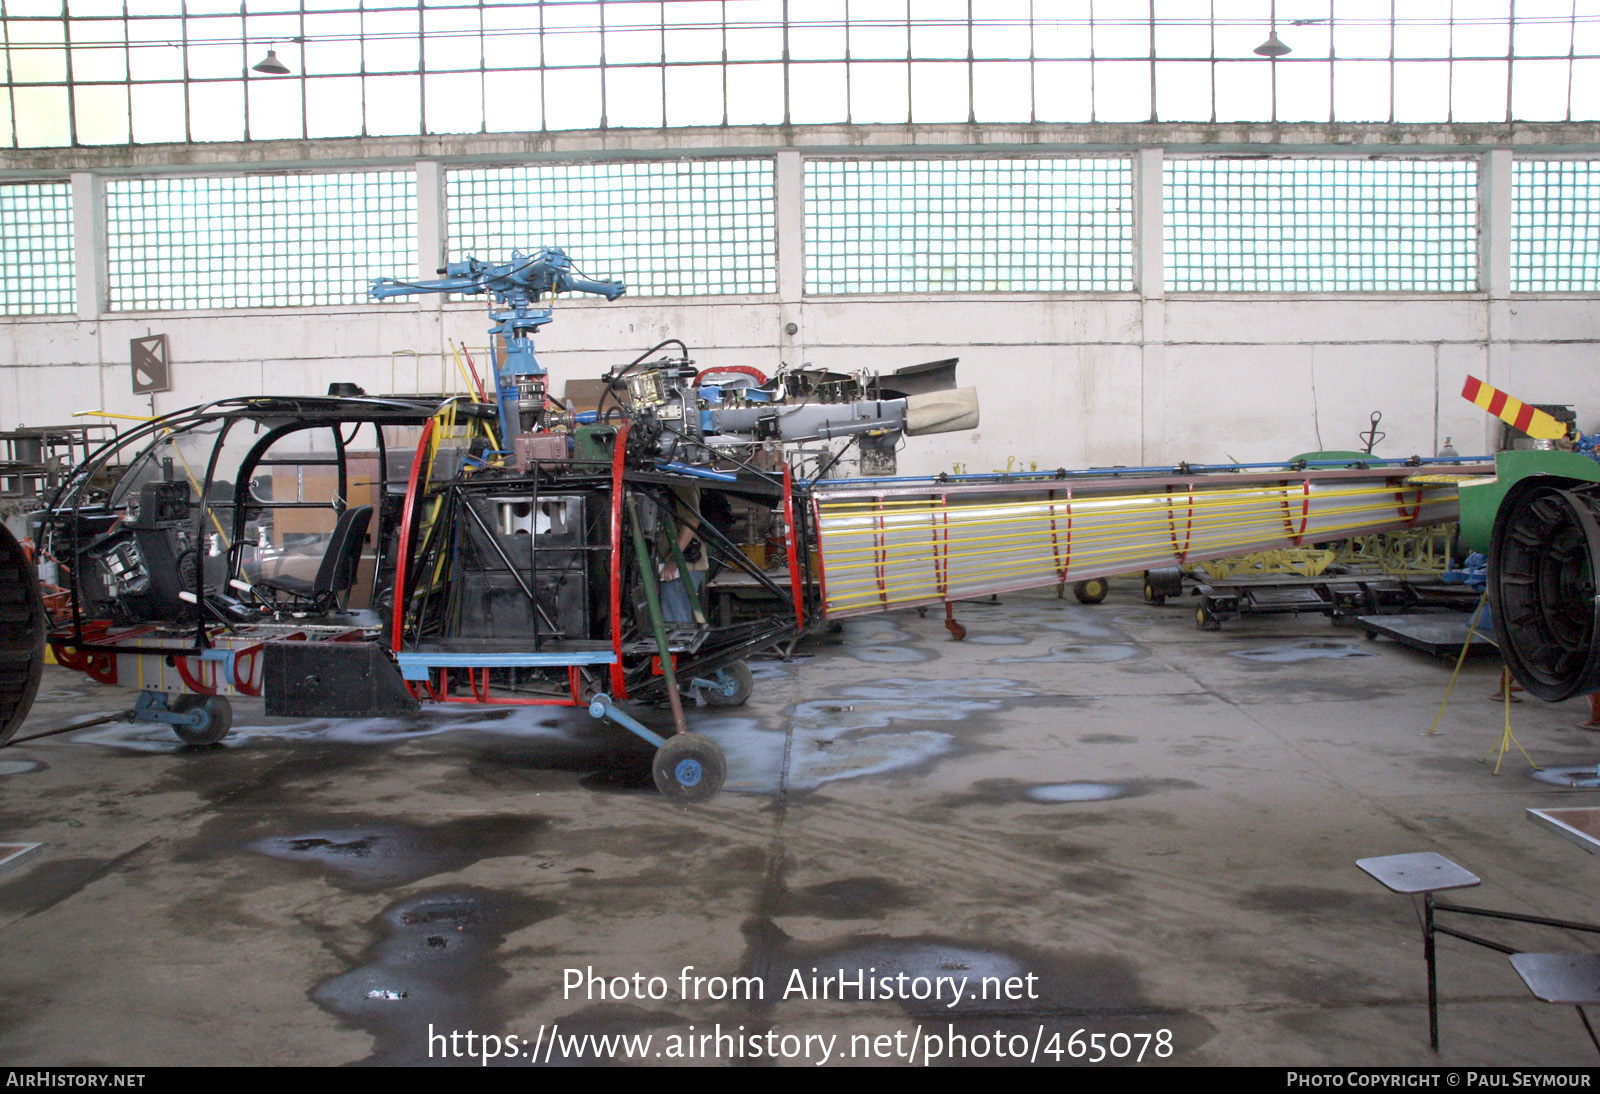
{"points": [[1472, 629], [1507, 738]]}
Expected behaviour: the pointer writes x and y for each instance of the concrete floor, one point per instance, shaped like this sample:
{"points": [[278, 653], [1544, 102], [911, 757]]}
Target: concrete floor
{"points": [[1159, 825]]}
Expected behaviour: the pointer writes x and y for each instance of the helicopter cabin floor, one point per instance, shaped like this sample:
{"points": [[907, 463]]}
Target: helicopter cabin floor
{"points": [[1083, 819]]}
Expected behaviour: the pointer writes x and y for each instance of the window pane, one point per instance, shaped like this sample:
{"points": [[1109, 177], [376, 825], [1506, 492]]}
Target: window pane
{"points": [[755, 95], [101, 114], [667, 229], [1004, 225], [1321, 225], [1555, 226], [879, 92], [36, 249], [257, 240], [694, 95]]}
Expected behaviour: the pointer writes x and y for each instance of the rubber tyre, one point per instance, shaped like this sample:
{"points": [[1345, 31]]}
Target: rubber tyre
{"points": [[22, 629], [1151, 596], [218, 718], [1092, 591], [690, 767], [1544, 568], [1206, 620], [743, 684]]}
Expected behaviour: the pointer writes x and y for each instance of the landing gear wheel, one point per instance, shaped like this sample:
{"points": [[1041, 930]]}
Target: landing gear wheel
{"points": [[22, 627], [1206, 619], [1092, 591], [1544, 563], [689, 768], [743, 683], [216, 718]]}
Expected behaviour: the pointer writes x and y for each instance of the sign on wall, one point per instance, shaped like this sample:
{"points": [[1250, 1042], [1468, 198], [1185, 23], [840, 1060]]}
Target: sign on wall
{"points": [[150, 365]]}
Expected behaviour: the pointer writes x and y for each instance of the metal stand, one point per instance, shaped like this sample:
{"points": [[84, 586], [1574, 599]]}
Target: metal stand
{"points": [[1427, 873], [1570, 978]]}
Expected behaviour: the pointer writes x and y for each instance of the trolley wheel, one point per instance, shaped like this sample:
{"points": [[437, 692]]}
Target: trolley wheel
{"points": [[1092, 591], [689, 767], [1206, 619], [743, 683], [215, 721], [1151, 596]]}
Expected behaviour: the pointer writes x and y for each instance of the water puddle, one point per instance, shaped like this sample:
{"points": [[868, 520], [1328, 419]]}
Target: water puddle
{"points": [[1302, 651], [435, 966]]}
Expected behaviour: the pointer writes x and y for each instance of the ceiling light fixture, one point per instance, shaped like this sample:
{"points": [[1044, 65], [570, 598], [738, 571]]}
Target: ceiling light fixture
{"points": [[274, 67], [1273, 47]]}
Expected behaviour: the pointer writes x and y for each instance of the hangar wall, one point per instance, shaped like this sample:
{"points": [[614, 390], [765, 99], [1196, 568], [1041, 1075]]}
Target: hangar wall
{"points": [[1075, 379]]}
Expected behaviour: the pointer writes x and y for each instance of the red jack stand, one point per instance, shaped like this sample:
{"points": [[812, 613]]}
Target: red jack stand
{"points": [[957, 631]]}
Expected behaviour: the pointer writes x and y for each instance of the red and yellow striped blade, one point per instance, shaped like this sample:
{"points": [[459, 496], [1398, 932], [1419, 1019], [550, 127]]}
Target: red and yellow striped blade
{"points": [[1530, 419]]}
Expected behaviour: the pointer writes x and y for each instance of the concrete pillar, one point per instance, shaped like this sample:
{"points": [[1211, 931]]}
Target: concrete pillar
{"points": [[89, 243], [431, 226], [789, 208], [1494, 275], [1494, 223], [1149, 252], [1149, 279]]}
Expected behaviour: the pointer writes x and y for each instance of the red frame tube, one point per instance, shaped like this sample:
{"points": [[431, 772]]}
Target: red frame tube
{"points": [[791, 544], [402, 558], [619, 452]]}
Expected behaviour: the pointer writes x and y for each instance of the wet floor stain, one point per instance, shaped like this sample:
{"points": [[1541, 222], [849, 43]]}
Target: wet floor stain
{"points": [[1310, 650], [879, 641], [1084, 628], [436, 965], [888, 655], [845, 898], [1582, 776], [386, 729], [19, 767], [859, 730], [1108, 739], [375, 856], [635, 778], [965, 985], [1022, 615], [47, 883], [1309, 900], [1076, 792], [1075, 655], [996, 640], [59, 695], [1009, 791]]}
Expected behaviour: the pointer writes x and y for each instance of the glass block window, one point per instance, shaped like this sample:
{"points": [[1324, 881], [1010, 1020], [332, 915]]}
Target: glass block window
{"points": [[1035, 225], [36, 257], [1321, 225], [679, 228], [257, 241], [1555, 226]]}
